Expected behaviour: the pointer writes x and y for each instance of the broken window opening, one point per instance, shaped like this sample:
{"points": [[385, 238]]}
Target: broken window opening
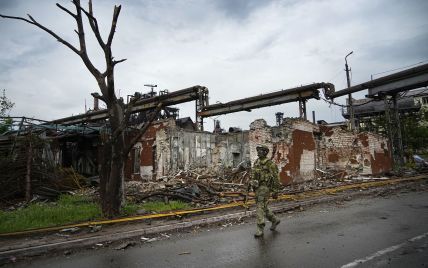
{"points": [[236, 158], [154, 159]]}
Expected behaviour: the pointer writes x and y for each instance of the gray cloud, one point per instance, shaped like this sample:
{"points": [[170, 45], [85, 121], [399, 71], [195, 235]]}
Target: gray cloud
{"points": [[408, 50], [235, 48], [7, 4], [240, 9]]}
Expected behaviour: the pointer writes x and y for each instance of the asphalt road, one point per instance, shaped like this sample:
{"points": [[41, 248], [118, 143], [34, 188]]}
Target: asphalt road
{"points": [[369, 232]]}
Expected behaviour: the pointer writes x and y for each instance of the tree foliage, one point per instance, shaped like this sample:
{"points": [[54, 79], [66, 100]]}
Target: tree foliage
{"points": [[5, 106]]}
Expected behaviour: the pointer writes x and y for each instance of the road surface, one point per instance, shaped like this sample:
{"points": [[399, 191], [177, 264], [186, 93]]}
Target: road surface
{"points": [[368, 232]]}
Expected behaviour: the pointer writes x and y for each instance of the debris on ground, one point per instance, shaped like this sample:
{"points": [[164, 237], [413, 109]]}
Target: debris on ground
{"points": [[198, 187], [206, 188], [125, 245], [95, 228], [190, 186], [420, 161], [148, 240], [70, 230]]}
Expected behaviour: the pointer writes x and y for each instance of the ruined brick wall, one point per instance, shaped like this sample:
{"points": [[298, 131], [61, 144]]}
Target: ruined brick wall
{"points": [[178, 149], [376, 148], [338, 149], [292, 146], [302, 155], [366, 153], [231, 149], [145, 152], [298, 147]]}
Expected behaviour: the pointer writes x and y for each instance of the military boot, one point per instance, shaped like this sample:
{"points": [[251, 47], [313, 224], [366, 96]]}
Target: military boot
{"points": [[274, 224], [259, 232]]}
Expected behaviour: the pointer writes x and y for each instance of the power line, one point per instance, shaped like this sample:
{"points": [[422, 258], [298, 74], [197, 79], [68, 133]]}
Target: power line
{"points": [[400, 68], [336, 75]]}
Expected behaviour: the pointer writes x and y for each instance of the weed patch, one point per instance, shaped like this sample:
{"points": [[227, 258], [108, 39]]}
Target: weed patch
{"points": [[71, 209], [159, 206], [67, 210]]}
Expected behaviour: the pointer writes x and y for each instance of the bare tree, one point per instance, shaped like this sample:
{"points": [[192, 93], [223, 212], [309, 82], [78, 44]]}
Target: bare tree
{"points": [[115, 147]]}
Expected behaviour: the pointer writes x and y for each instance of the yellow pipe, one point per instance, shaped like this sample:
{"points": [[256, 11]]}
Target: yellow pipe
{"points": [[294, 197]]}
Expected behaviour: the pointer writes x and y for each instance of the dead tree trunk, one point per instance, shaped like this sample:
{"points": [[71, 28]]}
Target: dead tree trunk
{"points": [[111, 174], [115, 150]]}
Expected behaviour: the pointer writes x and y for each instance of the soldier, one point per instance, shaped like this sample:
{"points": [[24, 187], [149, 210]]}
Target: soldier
{"points": [[264, 181]]}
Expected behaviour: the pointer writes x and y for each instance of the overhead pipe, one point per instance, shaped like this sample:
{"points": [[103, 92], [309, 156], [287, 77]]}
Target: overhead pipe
{"points": [[172, 98], [266, 100], [379, 81]]}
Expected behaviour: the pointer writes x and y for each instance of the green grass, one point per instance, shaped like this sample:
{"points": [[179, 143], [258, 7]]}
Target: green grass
{"points": [[155, 206], [68, 210], [159, 206]]}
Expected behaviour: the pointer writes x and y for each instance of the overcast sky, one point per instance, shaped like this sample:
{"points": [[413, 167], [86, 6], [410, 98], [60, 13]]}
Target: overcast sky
{"points": [[236, 48]]}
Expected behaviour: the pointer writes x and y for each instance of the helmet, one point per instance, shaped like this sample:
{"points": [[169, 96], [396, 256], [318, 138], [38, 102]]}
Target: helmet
{"points": [[262, 147]]}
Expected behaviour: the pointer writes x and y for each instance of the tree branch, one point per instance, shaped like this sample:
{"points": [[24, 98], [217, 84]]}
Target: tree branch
{"points": [[34, 22], [81, 33], [94, 24], [128, 111], [17, 18], [66, 10], [80, 29], [108, 71], [98, 96], [113, 24], [127, 114], [118, 61]]}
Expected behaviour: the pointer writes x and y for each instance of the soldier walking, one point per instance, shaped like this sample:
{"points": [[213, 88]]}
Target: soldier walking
{"points": [[264, 181]]}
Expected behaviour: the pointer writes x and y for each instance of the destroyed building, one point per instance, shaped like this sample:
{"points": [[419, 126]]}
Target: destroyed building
{"points": [[302, 150], [168, 147], [299, 148]]}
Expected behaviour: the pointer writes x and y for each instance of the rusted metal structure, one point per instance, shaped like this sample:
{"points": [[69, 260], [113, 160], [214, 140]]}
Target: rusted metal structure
{"points": [[199, 94], [195, 93], [301, 94]]}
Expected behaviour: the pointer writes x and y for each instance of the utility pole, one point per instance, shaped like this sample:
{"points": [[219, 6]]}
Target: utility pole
{"points": [[351, 109]]}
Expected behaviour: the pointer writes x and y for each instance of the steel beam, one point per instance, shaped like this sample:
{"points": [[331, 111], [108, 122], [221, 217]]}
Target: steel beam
{"points": [[172, 98], [401, 81], [265, 100], [402, 85]]}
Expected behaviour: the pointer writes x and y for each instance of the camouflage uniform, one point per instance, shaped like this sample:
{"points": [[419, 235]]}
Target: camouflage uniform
{"points": [[265, 180]]}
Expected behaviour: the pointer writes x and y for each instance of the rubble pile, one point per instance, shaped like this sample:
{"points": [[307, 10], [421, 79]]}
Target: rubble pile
{"points": [[319, 183], [198, 187], [203, 189]]}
